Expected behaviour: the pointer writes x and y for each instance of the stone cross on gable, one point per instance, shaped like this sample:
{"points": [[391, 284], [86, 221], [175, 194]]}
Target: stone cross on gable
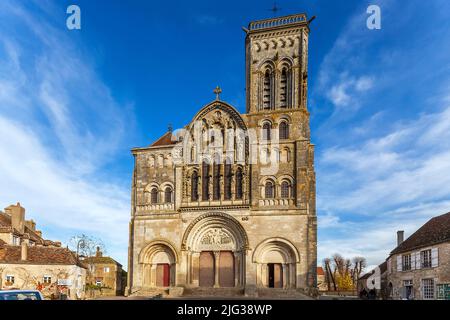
{"points": [[217, 91]]}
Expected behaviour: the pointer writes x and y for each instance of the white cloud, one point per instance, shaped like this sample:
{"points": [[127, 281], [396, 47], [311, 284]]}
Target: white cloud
{"points": [[59, 126]]}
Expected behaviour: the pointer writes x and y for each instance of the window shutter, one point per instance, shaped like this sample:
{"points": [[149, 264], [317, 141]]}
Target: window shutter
{"points": [[399, 263], [413, 261], [434, 257], [418, 263]]}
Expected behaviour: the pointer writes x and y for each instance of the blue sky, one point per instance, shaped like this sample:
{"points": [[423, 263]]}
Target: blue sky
{"points": [[73, 103]]}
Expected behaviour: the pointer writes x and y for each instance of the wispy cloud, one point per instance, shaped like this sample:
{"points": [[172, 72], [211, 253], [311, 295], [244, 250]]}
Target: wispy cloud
{"points": [[385, 142], [59, 126]]}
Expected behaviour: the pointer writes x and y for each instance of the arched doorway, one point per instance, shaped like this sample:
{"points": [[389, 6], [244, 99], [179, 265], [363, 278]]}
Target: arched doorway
{"points": [[158, 260], [276, 261], [216, 244]]}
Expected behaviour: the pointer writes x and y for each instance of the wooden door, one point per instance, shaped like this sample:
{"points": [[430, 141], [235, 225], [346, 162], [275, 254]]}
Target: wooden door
{"points": [[206, 272], [226, 269], [163, 275], [277, 276]]}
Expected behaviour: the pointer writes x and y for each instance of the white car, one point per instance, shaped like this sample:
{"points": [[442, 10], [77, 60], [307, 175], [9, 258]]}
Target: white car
{"points": [[21, 295]]}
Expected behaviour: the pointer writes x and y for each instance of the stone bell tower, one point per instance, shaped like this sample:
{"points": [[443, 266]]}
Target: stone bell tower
{"points": [[277, 111], [277, 63]]}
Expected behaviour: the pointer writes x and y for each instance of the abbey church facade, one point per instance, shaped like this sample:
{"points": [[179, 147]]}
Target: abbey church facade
{"points": [[228, 201]]}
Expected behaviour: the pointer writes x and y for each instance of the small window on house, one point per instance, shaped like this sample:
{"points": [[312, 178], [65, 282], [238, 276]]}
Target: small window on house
{"points": [[16, 241], [9, 279], [269, 190], [154, 195], [98, 283], [425, 259], [428, 288], [406, 262], [106, 269], [47, 279]]}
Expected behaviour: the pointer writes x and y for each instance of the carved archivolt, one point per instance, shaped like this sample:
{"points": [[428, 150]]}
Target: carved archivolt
{"points": [[215, 231]]}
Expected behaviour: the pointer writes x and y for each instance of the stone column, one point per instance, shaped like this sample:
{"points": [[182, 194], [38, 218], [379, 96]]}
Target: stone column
{"points": [[285, 275], [216, 269], [237, 272], [195, 268], [153, 275]]}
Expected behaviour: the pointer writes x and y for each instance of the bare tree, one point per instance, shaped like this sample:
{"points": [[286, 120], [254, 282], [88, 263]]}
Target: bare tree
{"points": [[338, 268], [86, 248]]}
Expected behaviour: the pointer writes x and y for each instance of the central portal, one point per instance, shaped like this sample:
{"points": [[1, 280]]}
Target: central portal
{"points": [[215, 266], [216, 247]]}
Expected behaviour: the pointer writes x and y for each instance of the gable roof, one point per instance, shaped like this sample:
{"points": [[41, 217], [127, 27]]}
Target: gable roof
{"points": [[103, 260], [436, 230], [38, 255], [164, 140]]}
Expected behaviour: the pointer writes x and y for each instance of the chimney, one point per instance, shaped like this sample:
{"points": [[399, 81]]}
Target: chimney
{"points": [[24, 251], [98, 253], [17, 217], [400, 236]]}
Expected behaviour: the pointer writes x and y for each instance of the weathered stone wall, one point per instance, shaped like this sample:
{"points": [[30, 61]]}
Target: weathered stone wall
{"points": [[440, 274]]}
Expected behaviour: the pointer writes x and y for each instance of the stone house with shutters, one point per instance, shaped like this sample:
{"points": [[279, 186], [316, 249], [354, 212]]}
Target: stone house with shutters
{"points": [[419, 268], [228, 201]]}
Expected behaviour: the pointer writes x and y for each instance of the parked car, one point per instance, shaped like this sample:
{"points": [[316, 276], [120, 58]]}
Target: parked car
{"points": [[21, 295]]}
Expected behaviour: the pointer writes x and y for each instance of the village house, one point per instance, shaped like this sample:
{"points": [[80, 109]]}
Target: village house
{"points": [[28, 262], [106, 274], [419, 268]]}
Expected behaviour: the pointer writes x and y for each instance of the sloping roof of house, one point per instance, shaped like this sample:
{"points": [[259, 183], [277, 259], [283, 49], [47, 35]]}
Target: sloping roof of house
{"points": [[382, 267], [38, 255], [320, 271], [102, 260], [165, 140], [436, 230]]}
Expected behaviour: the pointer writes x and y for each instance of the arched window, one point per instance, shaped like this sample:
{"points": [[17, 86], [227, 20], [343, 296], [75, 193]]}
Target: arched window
{"points": [[283, 88], [269, 190], [194, 186], [168, 195], [205, 181], [285, 190], [266, 131], [267, 90], [238, 184], [216, 182], [284, 130], [154, 195], [227, 182]]}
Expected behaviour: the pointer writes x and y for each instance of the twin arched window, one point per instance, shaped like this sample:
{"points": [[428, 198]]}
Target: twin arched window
{"points": [[269, 190], [284, 87], [154, 195]]}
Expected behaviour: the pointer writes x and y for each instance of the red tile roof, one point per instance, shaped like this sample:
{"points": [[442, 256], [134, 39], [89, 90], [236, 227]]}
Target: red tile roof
{"points": [[436, 230], [165, 140], [38, 255], [320, 271]]}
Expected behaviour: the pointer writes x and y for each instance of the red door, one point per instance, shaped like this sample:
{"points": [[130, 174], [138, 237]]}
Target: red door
{"points": [[163, 275], [166, 273]]}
